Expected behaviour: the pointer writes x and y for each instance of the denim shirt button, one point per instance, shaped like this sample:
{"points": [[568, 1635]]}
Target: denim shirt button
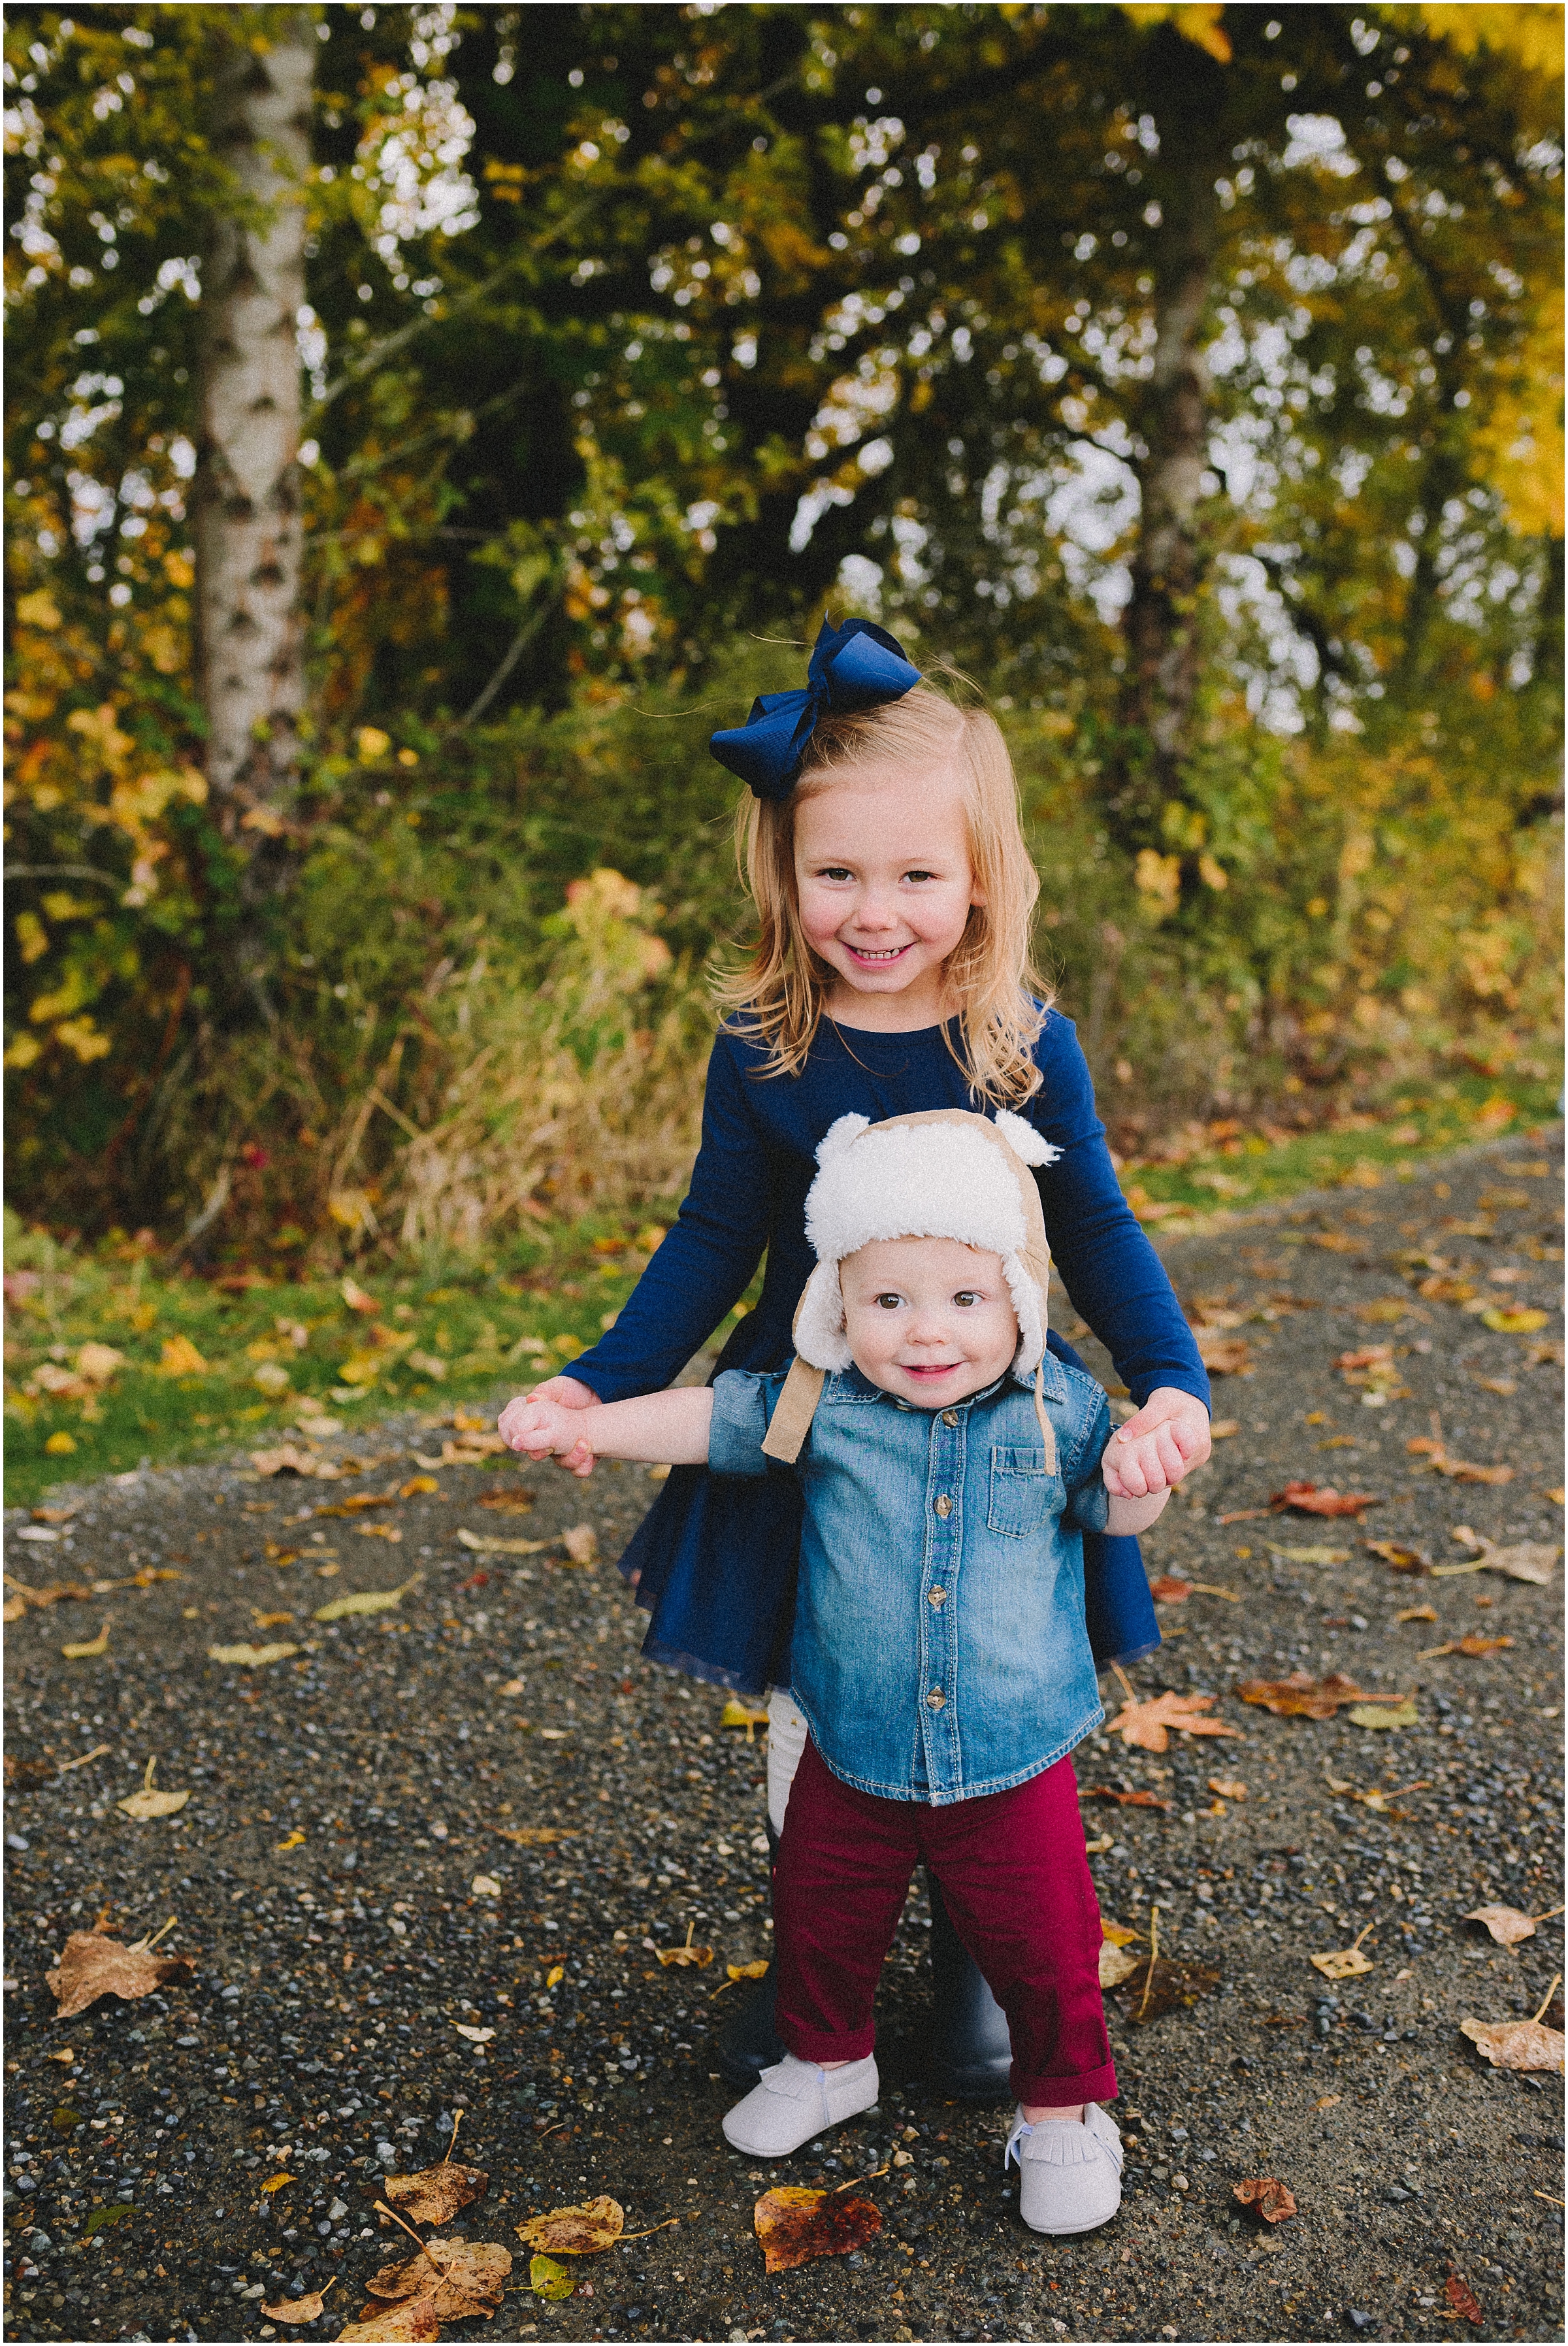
{"points": [[950, 1417], [935, 1699], [943, 1505], [937, 1598]]}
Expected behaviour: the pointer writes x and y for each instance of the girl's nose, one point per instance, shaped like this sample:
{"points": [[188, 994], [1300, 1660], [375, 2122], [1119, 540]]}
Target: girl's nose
{"points": [[874, 912]]}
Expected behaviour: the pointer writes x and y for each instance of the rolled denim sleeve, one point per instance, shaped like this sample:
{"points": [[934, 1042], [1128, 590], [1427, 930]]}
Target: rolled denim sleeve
{"points": [[1088, 1501], [743, 1402]]}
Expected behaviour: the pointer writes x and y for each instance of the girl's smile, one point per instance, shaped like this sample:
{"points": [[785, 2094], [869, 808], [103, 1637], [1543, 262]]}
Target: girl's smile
{"points": [[885, 884]]}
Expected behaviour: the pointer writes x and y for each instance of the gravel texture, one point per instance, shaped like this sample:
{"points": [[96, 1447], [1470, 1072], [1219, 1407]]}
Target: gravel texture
{"points": [[344, 1800]]}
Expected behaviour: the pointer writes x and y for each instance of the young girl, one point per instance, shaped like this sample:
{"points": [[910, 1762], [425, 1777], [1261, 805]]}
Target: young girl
{"points": [[940, 1651], [894, 893]]}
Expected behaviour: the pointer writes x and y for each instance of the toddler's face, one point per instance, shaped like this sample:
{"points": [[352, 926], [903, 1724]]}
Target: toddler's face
{"points": [[928, 1319]]}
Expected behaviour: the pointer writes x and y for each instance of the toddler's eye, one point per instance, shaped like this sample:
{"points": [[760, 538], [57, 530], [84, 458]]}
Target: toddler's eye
{"points": [[834, 872], [919, 875], [966, 1295], [890, 1302]]}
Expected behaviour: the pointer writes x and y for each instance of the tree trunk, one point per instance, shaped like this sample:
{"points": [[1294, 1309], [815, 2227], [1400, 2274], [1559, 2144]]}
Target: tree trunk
{"points": [[247, 519], [1160, 623]]}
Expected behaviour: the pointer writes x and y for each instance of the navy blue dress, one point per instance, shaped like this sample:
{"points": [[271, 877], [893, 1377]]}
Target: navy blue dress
{"points": [[715, 1558]]}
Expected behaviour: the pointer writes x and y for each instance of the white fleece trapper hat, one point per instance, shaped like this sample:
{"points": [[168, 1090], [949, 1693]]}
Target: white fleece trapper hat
{"points": [[946, 1174]]}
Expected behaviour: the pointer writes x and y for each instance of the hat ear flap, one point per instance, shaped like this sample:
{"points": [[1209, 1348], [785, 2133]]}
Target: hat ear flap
{"points": [[1023, 1140], [820, 1335], [839, 1135]]}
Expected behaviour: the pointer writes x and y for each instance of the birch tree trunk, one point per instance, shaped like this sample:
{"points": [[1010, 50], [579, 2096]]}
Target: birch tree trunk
{"points": [[246, 518], [1160, 624]]}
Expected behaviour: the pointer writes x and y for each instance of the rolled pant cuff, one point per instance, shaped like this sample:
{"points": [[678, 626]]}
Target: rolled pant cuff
{"points": [[1061, 2092], [815, 2043]]}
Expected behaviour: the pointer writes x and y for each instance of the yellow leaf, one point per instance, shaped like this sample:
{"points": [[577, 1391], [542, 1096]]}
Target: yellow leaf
{"points": [[582, 2232], [250, 1658], [275, 2183], [39, 609], [292, 1840], [553, 1976], [32, 936], [181, 1359], [146, 1803], [1513, 1320], [368, 1600], [548, 2280], [82, 1653], [359, 1369]]}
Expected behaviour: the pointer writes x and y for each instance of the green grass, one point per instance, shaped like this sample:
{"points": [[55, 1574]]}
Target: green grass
{"points": [[1249, 1167], [519, 1319]]}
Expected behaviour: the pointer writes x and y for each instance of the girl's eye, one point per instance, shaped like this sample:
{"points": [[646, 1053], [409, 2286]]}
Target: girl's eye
{"points": [[966, 1295], [890, 1302], [919, 875], [835, 871]]}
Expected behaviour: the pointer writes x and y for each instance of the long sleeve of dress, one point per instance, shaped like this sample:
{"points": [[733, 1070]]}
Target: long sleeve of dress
{"points": [[1112, 1272], [708, 1257]]}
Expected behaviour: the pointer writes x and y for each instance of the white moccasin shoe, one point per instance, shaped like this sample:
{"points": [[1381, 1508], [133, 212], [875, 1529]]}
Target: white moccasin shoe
{"points": [[798, 2100], [1069, 2174]]}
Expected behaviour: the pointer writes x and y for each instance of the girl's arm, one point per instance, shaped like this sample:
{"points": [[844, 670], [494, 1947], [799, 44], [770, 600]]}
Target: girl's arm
{"points": [[704, 1264], [1117, 1280], [659, 1429], [1127, 1517]]}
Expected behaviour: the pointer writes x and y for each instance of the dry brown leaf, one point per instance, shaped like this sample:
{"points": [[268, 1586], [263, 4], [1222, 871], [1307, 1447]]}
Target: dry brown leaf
{"points": [[57, 1514], [1226, 1788], [488, 1543], [1402, 1559], [1268, 2196], [1462, 2297], [94, 1965], [1471, 1645], [1458, 1470], [366, 1600], [796, 2226], [686, 1957], [1417, 1613], [1157, 1986], [1224, 1356], [457, 2278], [435, 2194], [1145, 1724], [1168, 1590], [581, 1543], [1301, 1695], [416, 1485], [1126, 1799], [413, 2320], [250, 1658], [1116, 1964], [466, 2028], [357, 1502], [1345, 1963], [576, 2231], [1507, 1924], [148, 1803], [1307, 1499], [308, 2308], [534, 1836], [1515, 2043], [508, 1499], [1531, 1560]]}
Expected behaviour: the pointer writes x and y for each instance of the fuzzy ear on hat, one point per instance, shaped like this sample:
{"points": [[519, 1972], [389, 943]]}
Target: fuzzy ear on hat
{"points": [[1020, 1137]]}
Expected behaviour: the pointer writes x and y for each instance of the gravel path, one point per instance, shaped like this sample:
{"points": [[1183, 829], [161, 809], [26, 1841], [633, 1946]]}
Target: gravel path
{"points": [[346, 1799]]}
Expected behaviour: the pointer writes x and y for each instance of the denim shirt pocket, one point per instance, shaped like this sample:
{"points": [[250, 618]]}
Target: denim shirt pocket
{"points": [[1022, 1494]]}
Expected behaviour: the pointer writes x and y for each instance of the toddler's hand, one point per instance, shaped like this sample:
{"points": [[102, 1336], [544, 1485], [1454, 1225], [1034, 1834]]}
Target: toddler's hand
{"points": [[1154, 1449], [546, 1422]]}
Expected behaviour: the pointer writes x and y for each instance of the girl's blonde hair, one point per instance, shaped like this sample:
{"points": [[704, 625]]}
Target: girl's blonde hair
{"points": [[1001, 998]]}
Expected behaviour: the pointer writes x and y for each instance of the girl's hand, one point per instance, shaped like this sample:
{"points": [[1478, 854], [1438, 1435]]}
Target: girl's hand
{"points": [[1154, 1450], [560, 1395]]}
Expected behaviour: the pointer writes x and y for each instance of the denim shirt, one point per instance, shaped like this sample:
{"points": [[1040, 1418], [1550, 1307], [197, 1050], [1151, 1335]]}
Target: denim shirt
{"points": [[940, 1647]]}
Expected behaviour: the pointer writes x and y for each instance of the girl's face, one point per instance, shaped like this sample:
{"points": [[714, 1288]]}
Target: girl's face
{"points": [[885, 885], [929, 1319]]}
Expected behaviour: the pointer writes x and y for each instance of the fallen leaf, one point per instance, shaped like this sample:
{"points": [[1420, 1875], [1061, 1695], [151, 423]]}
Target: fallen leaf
{"points": [[1302, 1697], [1402, 1559], [1268, 2195], [1168, 1590], [98, 1362], [356, 1299], [379, 1530], [1224, 1356], [358, 1502], [416, 1484], [436, 2193], [1345, 1963], [94, 1965], [1145, 1724], [276, 2183], [1117, 1934], [90, 1649], [1417, 1613], [1506, 1925], [104, 2218], [689, 1957], [550, 2280], [1153, 1989], [1515, 2043], [1381, 1712], [308, 2308], [508, 1499], [1462, 2297], [484, 1544], [475, 2035], [1458, 1470], [1310, 1555], [1531, 1560], [250, 1658], [269, 1620], [1307, 1499], [368, 1600], [557, 1972], [1387, 1310], [412, 2322], [1116, 1964], [1126, 1799], [290, 1459], [1224, 1429], [148, 1803], [1471, 1645], [57, 1514], [577, 2231], [296, 1840], [1332, 1243], [484, 1885], [797, 2226], [180, 1359], [758, 1970], [457, 2279], [1328, 2101], [581, 1543], [1513, 1320], [470, 1447], [743, 1714], [1226, 1788], [535, 1836]]}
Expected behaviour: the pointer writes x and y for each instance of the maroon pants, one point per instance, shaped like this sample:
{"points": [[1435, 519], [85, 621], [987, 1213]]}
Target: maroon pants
{"points": [[1016, 1884]]}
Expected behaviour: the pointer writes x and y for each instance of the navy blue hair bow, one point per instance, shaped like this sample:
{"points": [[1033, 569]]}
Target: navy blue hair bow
{"points": [[855, 666]]}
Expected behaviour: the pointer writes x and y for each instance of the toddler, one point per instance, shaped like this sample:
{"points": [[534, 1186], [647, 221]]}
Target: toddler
{"points": [[949, 1465]]}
